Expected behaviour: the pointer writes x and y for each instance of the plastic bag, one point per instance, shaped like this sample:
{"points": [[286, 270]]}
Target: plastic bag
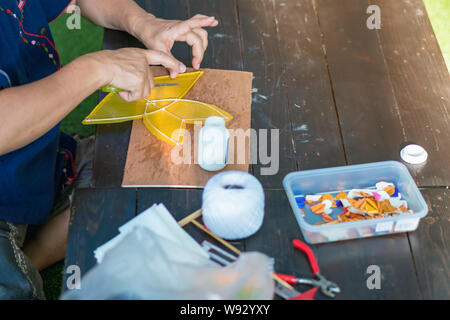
{"points": [[146, 265]]}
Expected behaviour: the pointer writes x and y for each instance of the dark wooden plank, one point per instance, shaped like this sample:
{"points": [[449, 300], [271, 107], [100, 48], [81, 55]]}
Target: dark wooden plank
{"points": [[96, 216], [224, 50], [112, 140], [317, 138], [430, 245], [180, 203], [270, 108], [343, 262], [367, 107], [347, 263], [421, 84], [110, 154], [374, 87]]}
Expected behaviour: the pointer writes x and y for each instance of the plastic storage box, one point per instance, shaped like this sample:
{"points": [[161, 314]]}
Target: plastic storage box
{"points": [[334, 180]]}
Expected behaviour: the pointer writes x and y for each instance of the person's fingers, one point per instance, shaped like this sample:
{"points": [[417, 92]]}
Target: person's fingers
{"points": [[150, 79], [199, 15], [200, 21], [196, 42], [140, 80], [167, 60], [203, 34], [193, 23], [141, 90], [126, 95], [149, 84], [145, 88]]}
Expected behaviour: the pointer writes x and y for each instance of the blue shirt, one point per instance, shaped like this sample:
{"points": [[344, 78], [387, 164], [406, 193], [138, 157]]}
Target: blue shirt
{"points": [[28, 176]]}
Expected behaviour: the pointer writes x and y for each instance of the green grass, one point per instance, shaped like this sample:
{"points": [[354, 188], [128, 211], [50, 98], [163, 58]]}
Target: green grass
{"points": [[439, 14], [52, 278], [72, 44]]}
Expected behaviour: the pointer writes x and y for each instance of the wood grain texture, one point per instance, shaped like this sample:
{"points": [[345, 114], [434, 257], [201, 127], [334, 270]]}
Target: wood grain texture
{"points": [[373, 84], [110, 153], [224, 46], [421, 83], [172, 10], [150, 162], [95, 218], [430, 245], [366, 104], [270, 107], [346, 262], [312, 113]]}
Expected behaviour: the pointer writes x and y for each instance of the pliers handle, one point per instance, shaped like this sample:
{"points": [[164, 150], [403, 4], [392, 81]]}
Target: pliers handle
{"points": [[309, 253], [327, 287]]}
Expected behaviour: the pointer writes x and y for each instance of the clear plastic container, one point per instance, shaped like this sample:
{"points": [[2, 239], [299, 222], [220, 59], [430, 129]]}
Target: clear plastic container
{"points": [[334, 180]]}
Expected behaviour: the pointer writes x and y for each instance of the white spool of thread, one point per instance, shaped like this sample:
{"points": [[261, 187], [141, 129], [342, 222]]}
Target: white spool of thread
{"points": [[233, 205]]}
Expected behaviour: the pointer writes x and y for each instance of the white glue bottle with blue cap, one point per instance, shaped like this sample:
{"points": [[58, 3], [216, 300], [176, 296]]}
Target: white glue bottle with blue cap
{"points": [[213, 144]]}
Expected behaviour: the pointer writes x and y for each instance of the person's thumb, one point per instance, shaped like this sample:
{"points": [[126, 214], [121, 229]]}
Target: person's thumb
{"points": [[126, 95]]}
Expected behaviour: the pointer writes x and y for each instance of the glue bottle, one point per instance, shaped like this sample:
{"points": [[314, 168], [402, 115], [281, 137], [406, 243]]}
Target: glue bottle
{"points": [[213, 144]]}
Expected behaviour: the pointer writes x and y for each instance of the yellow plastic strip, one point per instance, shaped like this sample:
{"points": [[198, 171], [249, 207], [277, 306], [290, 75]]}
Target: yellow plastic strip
{"points": [[168, 123]]}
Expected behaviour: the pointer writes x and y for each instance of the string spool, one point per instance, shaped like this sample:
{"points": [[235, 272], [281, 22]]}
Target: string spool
{"points": [[233, 205]]}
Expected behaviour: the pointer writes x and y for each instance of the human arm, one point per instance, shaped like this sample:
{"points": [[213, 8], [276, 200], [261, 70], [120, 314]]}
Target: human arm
{"points": [[29, 111], [154, 33]]}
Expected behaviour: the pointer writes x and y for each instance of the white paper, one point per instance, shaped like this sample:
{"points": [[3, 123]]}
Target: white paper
{"points": [[159, 220]]}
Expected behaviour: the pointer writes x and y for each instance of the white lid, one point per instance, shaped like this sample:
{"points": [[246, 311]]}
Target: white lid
{"points": [[414, 154], [215, 121]]}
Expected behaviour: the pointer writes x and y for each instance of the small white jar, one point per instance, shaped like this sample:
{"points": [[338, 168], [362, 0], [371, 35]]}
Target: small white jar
{"points": [[213, 144]]}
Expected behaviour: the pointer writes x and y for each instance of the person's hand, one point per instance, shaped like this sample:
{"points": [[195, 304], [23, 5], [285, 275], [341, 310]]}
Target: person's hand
{"points": [[128, 69], [160, 34]]}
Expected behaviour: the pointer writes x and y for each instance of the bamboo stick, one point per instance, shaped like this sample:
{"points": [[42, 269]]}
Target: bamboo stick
{"points": [[190, 218], [225, 243]]}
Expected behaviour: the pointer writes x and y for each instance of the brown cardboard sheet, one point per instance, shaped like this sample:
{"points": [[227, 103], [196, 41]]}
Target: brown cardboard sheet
{"points": [[150, 162]]}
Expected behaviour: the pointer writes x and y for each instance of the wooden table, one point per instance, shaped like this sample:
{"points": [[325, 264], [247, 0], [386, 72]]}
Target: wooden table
{"points": [[340, 94]]}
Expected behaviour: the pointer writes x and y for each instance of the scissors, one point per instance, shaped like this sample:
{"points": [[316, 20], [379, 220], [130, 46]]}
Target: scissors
{"points": [[327, 287]]}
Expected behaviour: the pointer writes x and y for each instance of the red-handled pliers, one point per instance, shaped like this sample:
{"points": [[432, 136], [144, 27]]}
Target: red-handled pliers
{"points": [[327, 287]]}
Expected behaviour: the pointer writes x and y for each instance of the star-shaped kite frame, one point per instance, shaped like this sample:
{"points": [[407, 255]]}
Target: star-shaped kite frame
{"points": [[165, 113]]}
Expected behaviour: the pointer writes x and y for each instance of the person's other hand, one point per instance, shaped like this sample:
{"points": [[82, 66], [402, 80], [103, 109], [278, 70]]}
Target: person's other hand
{"points": [[160, 34], [129, 69]]}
